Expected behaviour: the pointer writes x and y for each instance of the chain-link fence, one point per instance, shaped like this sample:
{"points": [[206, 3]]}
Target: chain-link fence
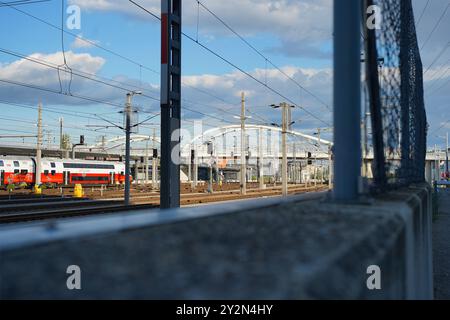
{"points": [[398, 124]]}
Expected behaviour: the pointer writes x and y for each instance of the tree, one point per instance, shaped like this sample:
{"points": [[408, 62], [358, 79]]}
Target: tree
{"points": [[66, 144]]}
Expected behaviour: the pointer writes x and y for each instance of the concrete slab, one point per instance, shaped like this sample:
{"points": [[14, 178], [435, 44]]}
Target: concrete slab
{"points": [[441, 247], [306, 249]]}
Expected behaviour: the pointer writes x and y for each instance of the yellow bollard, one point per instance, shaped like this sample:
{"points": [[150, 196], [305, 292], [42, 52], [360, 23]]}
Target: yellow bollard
{"points": [[78, 191], [37, 189]]}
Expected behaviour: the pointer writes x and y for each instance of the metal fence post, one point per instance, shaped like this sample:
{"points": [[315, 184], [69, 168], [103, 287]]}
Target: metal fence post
{"points": [[347, 99]]}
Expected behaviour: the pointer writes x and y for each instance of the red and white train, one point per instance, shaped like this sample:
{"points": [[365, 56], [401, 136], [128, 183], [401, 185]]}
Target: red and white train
{"points": [[18, 170]]}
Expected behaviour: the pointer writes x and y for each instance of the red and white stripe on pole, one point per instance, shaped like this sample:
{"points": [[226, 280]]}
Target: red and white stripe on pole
{"points": [[164, 52]]}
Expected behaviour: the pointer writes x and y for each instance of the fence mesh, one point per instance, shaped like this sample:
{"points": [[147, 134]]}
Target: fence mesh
{"points": [[397, 98]]}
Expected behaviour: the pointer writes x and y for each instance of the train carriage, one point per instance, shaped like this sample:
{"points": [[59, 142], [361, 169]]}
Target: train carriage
{"points": [[17, 170]]}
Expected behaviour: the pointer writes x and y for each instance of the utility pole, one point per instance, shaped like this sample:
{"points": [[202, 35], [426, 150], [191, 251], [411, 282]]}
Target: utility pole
{"points": [[127, 147], [195, 166], [243, 149], [61, 140], [146, 163], [316, 169], [437, 164], [446, 157], [284, 128], [189, 163], [154, 159], [49, 138], [39, 147], [284, 188], [127, 113], [211, 162], [261, 159], [294, 156], [330, 168], [171, 25]]}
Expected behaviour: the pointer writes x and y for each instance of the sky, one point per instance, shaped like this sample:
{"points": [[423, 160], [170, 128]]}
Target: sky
{"points": [[121, 49]]}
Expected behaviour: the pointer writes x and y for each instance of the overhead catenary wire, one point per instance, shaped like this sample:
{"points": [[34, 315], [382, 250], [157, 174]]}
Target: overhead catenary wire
{"points": [[87, 98], [132, 61], [438, 56], [46, 110], [89, 76], [440, 87], [53, 66], [97, 100], [436, 80], [31, 86], [64, 67], [422, 14], [78, 114], [256, 79], [93, 43], [435, 26], [219, 56], [441, 127], [23, 2], [263, 56]]}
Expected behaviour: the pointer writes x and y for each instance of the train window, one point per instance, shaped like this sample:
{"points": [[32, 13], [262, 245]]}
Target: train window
{"points": [[1, 163], [87, 166], [16, 164], [23, 171], [52, 164], [46, 172], [92, 178], [16, 171], [53, 172]]}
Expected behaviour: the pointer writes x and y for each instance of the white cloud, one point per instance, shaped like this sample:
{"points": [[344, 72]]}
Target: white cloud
{"points": [[32, 73], [81, 42], [301, 26], [227, 86], [24, 70]]}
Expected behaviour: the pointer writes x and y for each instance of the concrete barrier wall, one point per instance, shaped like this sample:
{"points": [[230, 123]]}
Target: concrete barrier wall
{"points": [[301, 248]]}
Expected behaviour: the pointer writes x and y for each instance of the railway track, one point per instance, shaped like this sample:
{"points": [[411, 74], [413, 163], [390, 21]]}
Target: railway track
{"points": [[23, 209], [45, 213]]}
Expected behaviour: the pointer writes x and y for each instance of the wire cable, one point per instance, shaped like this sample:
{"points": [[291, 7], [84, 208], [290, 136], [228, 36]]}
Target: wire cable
{"points": [[421, 15], [262, 55], [435, 27], [237, 67]]}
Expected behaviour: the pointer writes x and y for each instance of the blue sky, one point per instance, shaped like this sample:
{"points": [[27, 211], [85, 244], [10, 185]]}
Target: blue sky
{"points": [[296, 35]]}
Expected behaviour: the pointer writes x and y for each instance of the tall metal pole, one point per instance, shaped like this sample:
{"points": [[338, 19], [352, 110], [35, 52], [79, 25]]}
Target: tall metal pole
{"points": [[154, 161], [347, 99], [189, 163], [261, 159], [316, 169], [170, 103], [39, 147], [284, 125], [127, 148], [243, 147], [146, 163], [294, 157], [61, 142], [437, 164], [330, 169], [446, 156], [195, 162]]}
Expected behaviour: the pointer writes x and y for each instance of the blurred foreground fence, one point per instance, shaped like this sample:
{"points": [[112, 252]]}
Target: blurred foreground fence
{"points": [[395, 101]]}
